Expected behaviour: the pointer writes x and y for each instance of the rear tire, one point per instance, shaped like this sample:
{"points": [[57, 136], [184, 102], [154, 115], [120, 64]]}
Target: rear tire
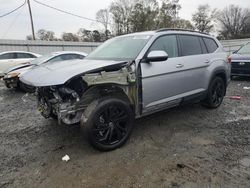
{"points": [[107, 123], [215, 94]]}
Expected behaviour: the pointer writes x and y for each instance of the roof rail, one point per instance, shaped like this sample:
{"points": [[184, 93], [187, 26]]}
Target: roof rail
{"points": [[177, 29]]}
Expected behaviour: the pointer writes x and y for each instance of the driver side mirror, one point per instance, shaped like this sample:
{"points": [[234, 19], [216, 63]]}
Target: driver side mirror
{"points": [[155, 56]]}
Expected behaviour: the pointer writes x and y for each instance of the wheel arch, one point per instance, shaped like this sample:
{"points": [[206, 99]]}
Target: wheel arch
{"points": [[222, 74], [113, 90]]}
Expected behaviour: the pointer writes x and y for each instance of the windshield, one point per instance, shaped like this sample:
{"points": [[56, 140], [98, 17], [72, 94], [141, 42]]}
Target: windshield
{"points": [[245, 49], [120, 48], [42, 59]]}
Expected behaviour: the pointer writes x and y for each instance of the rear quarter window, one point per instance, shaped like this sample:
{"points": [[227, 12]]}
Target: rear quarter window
{"points": [[190, 45], [203, 46], [211, 45]]}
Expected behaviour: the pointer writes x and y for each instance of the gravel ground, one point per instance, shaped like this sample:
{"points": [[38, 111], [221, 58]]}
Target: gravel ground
{"points": [[188, 146]]}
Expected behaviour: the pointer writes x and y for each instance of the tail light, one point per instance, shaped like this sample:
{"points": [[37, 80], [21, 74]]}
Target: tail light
{"points": [[229, 60]]}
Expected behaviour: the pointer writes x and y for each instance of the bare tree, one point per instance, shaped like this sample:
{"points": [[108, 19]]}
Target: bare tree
{"points": [[43, 34], [203, 18], [102, 16], [234, 21]]}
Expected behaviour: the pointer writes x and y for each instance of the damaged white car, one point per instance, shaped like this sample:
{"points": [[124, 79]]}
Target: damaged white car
{"points": [[129, 77]]}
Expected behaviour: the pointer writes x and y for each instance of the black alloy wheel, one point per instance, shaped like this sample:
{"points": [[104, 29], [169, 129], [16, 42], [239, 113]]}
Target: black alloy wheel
{"points": [[109, 123], [216, 93]]}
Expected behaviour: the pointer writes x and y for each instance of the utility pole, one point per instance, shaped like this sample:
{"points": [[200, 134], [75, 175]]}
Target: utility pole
{"points": [[31, 21]]}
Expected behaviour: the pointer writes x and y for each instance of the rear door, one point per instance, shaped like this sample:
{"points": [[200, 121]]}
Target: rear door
{"points": [[195, 59]]}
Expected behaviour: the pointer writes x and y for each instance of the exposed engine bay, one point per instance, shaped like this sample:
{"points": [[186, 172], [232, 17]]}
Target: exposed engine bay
{"points": [[67, 102]]}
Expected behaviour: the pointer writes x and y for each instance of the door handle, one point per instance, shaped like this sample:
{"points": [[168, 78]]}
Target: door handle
{"points": [[179, 66]]}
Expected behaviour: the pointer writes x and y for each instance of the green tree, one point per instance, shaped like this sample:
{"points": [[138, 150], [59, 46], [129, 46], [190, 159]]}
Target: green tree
{"points": [[168, 14], [184, 24], [121, 11], [96, 36], [70, 37], [143, 16], [85, 35], [43, 34]]}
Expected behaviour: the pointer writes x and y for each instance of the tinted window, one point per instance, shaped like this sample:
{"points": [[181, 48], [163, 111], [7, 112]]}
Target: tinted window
{"points": [[65, 57], [203, 47], [24, 56], [166, 43], [190, 45], [80, 56], [76, 56], [211, 45], [8, 56], [32, 56]]}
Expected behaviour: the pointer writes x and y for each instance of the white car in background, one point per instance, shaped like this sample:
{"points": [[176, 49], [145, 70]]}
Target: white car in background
{"points": [[13, 58], [11, 76]]}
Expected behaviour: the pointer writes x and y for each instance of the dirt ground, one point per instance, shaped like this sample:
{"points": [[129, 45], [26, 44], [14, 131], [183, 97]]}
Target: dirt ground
{"points": [[188, 146]]}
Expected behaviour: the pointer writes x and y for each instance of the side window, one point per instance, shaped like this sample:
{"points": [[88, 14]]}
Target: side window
{"points": [[64, 57], [74, 56], [190, 45], [78, 56], [31, 56], [8, 56], [55, 59], [211, 44], [166, 43], [203, 46], [24, 56]]}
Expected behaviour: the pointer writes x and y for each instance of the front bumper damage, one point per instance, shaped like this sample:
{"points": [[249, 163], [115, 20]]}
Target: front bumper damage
{"points": [[67, 102], [11, 82]]}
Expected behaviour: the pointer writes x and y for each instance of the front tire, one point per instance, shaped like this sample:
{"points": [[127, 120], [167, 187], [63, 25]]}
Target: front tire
{"points": [[216, 93], [108, 123]]}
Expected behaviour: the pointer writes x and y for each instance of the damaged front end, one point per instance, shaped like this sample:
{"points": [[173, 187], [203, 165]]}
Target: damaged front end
{"points": [[67, 102]]}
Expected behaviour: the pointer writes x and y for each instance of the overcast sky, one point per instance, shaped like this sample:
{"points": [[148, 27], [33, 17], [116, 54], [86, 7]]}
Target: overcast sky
{"points": [[17, 25]]}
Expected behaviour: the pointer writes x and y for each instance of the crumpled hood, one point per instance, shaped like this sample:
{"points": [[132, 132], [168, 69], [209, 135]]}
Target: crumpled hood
{"points": [[60, 72], [242, 57]]}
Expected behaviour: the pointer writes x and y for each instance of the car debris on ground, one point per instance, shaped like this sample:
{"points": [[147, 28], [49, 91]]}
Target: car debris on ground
{"points": [[66, 158]]}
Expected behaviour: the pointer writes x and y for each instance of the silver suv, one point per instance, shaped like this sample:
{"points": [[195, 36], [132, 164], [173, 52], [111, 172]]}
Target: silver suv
{"points": [[130, 77]]}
